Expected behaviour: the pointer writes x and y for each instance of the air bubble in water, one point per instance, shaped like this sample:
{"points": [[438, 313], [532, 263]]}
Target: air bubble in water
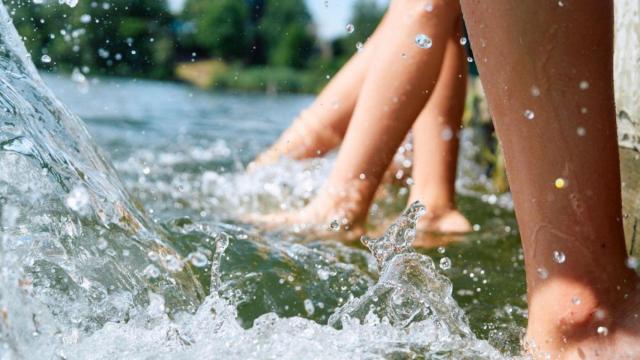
{"points": [[445, 263], [463, 41], [45, 59], [308, 307], [559, 257], [350, 28], [529, 115], [542, 273], [423, 41], [198, 259]]}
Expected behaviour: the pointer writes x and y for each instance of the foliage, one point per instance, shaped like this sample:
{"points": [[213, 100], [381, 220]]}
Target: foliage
{"points": [[119, 37], [366, 17], [222, 27]]}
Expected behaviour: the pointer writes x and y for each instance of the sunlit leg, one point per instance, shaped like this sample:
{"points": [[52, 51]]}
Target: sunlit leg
{"points": [[547, 70]]}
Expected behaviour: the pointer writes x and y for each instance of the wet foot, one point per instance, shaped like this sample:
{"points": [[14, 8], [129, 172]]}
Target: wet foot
{"points": [[338, 214], [303, 139], [583, 329], [449, 221]]}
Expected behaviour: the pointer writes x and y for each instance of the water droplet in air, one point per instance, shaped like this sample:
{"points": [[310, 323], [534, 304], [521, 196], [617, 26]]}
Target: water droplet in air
{"points": [[428, 7], [463, 41], [423, 41], [632, 262], [576, 300], [198, 259], [45, 59], [476, 227], [350, 28], [323, 274], [445, 263], [543, 273], [447, 134], [441, 250], [85, 18], [469, 59], [560, 183], [151, 271], [334, 226], [584, 85], [602, 331], [584, 110], [71, 3], [559, 257], [78, 199], [529, 115], [362, 176], [308, 307], [535, 91], [581, 131], [561, 3]]}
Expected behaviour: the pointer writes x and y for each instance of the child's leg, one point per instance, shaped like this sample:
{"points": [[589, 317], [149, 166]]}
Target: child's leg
{"points": [[435, 145], [321, 127], [547, 71], [401, 78]]}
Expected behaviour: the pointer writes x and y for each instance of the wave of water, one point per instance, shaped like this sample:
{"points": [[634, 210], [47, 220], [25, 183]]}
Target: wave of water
{"points": [[87, 274]]}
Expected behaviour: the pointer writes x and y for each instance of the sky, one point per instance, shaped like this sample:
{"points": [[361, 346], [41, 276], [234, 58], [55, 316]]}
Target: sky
{"points": [[331, 16]]}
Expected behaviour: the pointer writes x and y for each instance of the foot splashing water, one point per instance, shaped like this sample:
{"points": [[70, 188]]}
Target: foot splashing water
{"points": [[86, 275]]}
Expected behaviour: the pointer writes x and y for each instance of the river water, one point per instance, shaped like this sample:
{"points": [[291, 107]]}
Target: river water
{"points": [[122, 237]]}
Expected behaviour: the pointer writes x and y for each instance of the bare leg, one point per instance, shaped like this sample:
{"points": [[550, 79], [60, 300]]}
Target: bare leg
{"points": [[435, 145], [400, 79], [321, 127], [547, 71]]}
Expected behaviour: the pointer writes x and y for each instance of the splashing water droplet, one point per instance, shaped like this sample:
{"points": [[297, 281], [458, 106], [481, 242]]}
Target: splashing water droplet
{"points": [[581, 131], [576, 300], [335, 225], [350, 28], [469, 59], [584, 85], [602, 331], [543, 273], [535, 91], [423, 41], [151, 271], [85, 18], [559, 257], [78, 200], [441, 250], [362, 176], [529, 115], [463, 41], [45, 59], [445, 263], [428, 7], [359, 46], [632, 262], [308, 307]]}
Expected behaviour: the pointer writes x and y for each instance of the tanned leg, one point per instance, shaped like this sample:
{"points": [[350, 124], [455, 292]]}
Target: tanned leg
{"points": [[547, 70], [435, 146], [321, 127]]}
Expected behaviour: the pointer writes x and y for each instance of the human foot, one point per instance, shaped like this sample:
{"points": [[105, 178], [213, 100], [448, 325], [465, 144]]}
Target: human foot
{"points": [[334, 213], [305, 138], [575, 324]]}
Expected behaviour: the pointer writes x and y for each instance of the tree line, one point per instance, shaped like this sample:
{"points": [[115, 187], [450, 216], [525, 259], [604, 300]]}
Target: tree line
{"points": [[143, 38]]}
